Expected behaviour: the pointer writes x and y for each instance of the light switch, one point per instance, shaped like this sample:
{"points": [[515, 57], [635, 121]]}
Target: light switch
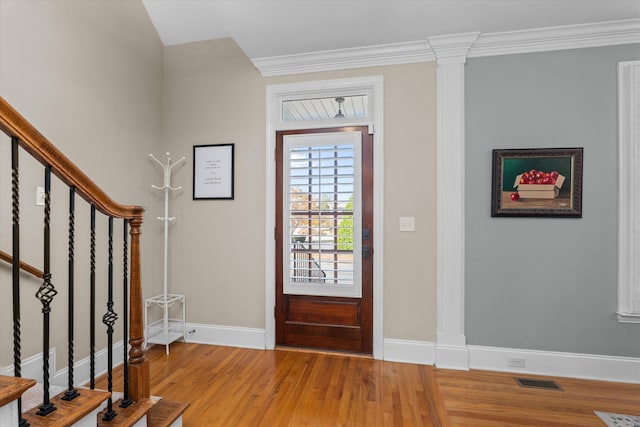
{"points": [[39, 195], [407, 223]]}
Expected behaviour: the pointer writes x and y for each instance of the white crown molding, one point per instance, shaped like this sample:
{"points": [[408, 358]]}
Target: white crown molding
{"points": [[342, 59], [557, 38], [487, 44], [453, 48]]}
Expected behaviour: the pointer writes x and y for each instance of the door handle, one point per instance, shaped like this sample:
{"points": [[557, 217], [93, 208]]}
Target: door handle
{"points": [[366, 251]]}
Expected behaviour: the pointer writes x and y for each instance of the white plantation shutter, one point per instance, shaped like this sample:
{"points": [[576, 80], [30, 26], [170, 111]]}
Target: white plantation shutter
{"points": [[321, 214]]}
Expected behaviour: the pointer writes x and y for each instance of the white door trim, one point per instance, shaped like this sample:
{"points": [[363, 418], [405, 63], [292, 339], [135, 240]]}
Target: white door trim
{"points": [[274, 95]]}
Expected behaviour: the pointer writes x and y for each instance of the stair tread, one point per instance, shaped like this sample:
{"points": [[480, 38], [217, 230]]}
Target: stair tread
{"points": [[126, 417], [11, 388], [165, 412], [70, 412]]}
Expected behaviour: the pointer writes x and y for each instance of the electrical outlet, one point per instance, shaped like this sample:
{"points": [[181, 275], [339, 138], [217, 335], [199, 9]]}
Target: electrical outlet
{"points": [[515, 362], [407, 223], [39, 196]]}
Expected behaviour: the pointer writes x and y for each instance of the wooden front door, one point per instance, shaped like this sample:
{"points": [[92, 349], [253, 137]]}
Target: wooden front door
{"points": [[324, 239]]}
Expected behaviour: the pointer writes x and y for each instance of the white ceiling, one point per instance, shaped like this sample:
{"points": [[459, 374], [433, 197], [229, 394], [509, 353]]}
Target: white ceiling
{"points": [[268, 28]]}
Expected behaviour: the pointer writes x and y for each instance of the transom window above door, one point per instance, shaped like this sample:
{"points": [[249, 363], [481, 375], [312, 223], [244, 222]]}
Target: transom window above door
{"points": [[326, 108]]}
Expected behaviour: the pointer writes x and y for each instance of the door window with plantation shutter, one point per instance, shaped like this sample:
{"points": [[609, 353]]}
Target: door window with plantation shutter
{"points": [[321, 214]]}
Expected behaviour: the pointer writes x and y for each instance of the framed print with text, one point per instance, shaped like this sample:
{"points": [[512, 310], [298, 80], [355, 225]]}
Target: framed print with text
{"points": [[213, 172]]}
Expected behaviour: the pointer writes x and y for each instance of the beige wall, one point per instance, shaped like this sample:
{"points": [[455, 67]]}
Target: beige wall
{"points": [[88, 75], [213, 94], [91, 77]]}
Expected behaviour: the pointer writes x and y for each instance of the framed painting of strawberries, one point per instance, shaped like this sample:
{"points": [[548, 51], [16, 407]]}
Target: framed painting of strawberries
{"points": [[537, 182]]}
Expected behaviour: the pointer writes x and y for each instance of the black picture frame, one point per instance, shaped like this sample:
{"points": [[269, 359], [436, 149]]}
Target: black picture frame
{"points": [[213, 172], [537, 183]]}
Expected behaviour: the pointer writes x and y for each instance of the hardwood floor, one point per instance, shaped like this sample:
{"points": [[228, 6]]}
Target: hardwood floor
{"points": [[241, 387], [482, 398]]}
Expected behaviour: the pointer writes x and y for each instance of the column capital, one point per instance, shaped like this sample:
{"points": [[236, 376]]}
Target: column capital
{"points": [[452, 49]]}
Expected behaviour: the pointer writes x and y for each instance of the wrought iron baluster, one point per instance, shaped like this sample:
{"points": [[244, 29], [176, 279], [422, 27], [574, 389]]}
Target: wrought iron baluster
{"points": [[45, 294], [109, 320], [15, 200], [92, 302], [126, 400], [71, 393]]}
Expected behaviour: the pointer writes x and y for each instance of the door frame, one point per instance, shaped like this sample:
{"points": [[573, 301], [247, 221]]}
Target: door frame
{"points": [[275, 94]]}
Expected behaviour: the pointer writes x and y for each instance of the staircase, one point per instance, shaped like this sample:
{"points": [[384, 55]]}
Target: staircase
{"points": [[89, 409], [25, 401]]}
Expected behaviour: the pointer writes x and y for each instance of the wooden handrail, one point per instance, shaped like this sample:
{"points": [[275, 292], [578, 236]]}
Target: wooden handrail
{"points": [[32, 141], [23, 265]]}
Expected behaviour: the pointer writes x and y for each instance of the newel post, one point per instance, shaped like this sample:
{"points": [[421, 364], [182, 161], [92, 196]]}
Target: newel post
{"points": [[139, 387]]}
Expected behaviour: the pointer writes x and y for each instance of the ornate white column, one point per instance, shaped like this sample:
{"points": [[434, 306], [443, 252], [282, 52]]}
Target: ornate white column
{"points": [[451, 54]]}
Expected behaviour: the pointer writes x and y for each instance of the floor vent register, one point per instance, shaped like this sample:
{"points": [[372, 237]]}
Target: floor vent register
{"points": [[618, 420], [543, 384]]}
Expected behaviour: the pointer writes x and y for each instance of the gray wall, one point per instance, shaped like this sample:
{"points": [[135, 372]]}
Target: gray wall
{"points": [[543, 283]]}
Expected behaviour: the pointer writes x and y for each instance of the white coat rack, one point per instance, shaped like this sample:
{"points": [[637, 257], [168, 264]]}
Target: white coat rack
{"points": [[169, 330]]}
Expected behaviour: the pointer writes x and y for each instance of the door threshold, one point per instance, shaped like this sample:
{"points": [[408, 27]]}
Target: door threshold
{"points": [[323, 351]]}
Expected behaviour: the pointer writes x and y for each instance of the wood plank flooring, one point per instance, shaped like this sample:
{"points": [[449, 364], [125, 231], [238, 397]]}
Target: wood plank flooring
{"points": [[229, 386], [482, 398]]}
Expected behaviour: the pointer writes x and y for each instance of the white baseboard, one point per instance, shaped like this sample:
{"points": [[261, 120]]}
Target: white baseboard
{"points": [[452, 357], [405, 351], [82, 373], [226, 336], [573, 365], [32, 366]]}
